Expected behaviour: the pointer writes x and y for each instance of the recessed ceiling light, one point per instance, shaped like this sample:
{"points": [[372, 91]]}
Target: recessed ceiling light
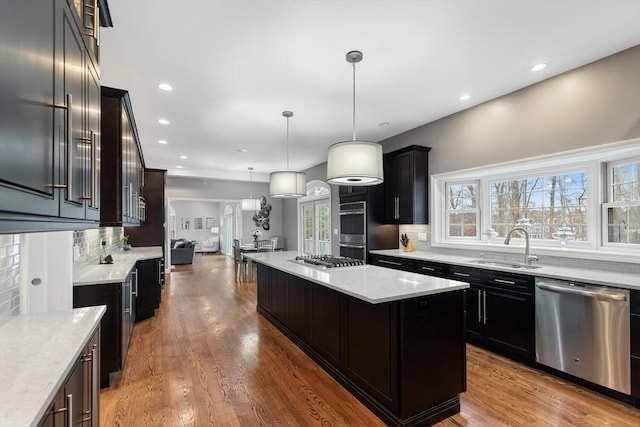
{"points": [[383, 124], [165, 86], [162, 141], [464, 97], [163, 121], [183, 157], [241, 150], [179, 166], [539, 67]]}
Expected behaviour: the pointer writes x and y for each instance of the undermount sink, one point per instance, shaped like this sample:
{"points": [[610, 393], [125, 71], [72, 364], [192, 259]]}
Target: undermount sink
{"points": [[508, 264]]}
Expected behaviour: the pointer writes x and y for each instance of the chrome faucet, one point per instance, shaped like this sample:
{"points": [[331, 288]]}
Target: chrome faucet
{"points": [[527, 258]]}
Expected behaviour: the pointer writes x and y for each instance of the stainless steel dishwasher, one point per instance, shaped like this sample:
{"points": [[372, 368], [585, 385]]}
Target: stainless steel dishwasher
{"points": [[583, 330]]}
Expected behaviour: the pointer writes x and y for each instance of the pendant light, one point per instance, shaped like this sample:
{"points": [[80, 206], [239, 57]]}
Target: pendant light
{"points": [[355, 162], [287, 183], [250, 204]]}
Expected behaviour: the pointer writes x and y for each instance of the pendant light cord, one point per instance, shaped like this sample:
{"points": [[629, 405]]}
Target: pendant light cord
{"points": [[288, 143], [354, 101]]}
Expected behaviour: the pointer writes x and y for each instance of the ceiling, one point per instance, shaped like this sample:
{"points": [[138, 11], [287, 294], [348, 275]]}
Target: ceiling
{"points": [[236, 65]]}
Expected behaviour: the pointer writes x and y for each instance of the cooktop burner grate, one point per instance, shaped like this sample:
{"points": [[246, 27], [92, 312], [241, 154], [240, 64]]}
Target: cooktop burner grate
{"points": [[329, 261]]}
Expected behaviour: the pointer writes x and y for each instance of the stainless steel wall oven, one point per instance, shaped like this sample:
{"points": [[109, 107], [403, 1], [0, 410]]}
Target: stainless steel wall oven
{"points": [[353, 230]]}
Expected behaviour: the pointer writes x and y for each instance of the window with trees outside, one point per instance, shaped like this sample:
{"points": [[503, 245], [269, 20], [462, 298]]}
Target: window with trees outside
{"points": [[587, 199]]}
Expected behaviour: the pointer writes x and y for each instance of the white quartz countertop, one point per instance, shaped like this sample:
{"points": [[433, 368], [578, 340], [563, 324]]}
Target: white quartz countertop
{"points": [[597, 277], [37, 352], [123, 262], [368, 282]]}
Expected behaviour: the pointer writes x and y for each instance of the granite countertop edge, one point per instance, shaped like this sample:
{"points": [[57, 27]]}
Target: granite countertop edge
{"points": [[124, 261]]}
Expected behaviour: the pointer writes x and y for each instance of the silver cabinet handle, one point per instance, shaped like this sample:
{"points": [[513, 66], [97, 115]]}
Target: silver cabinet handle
{"points": [[455, 273], [68, 409], [484, 306], [479, 308], [506, 282], [69, 146], [95, 392], [397, 208], [135, 274], [348, 245], [389, 262], [94, 170], [428, 268]]}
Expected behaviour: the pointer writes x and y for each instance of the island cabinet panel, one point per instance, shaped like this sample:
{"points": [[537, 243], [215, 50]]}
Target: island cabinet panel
{"points": [[371, 348], [432, 351], [326, 322], [264, 287], [298, 304], [279, 295], [405, 360]]}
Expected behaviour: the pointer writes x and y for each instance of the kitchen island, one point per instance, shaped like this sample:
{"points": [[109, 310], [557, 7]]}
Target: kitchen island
{"points": [[395, 340]]}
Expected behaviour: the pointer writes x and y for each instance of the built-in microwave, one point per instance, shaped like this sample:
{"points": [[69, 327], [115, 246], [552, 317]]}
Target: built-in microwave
{"points": [[353, 230]]}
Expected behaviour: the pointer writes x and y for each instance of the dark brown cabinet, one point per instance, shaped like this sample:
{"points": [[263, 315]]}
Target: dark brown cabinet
{"points": [[49, 119], [149, 286], [500, 311], [406, 185], [117, 323], [405, 359], [122, 162], [152, 231], [76, 403]]}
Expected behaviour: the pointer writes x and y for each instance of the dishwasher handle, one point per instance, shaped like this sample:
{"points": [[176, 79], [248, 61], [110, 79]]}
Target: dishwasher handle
{"points": [[583, 292]]}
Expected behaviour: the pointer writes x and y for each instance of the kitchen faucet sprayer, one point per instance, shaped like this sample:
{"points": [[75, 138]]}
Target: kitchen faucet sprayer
{"points": [[527, 258]]}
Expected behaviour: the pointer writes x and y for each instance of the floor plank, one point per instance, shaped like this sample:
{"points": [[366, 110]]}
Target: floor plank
{"points": [[208, 358]]}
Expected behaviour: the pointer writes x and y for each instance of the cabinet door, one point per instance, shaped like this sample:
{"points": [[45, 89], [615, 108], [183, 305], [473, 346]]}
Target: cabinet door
{"points": [[264, 287], [73, 392], [28, 154], [71, 92], [279, 295], [474, 312], [509, 322], [147, 298], [325, 322], [90, 380], [93, 146], [298, 303], [403, 164]]}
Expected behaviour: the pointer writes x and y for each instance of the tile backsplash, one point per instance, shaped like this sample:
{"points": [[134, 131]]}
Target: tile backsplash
{"points": [[89, 247], [9, 277]]}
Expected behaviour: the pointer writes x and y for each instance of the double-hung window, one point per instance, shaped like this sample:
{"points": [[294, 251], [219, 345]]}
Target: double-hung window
{"points": [[621, 212], [463, 214]]}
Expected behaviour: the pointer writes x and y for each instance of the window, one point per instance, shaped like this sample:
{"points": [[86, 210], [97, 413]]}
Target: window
{"points": [[551, 207], [315, 219], [583, 200], [622, 212], [462, 209]]}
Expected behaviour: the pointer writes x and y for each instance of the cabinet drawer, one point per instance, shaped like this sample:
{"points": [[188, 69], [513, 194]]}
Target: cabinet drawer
{"points": [[467, 274], [515, 282], [392, 262], [635, 302], [431, 268]]}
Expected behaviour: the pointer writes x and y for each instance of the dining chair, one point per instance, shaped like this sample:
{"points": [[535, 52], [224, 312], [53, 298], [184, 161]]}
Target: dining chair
{"points": [[240, 261], [264, 246]]}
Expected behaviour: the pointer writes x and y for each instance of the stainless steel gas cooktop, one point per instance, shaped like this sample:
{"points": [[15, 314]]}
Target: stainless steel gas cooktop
{"points": [[328, 261]]}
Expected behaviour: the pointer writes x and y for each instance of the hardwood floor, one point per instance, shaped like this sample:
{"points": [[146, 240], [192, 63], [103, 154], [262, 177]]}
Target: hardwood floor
{"points": [[208, 358]]}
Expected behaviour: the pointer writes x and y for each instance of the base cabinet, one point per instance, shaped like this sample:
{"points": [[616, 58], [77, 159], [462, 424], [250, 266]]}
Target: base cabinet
{"points": [[117, 323], [635, 347], [77, 402], [149, 288], [405, 359]]}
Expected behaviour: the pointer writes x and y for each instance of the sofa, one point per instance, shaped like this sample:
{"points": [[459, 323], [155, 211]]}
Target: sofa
{"points": [[182, 251], [211, 244]]}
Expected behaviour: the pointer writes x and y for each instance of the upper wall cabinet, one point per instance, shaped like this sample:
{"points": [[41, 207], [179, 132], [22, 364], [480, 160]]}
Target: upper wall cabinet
{"points": [[406, 184], [122, 162], [49, 118]]}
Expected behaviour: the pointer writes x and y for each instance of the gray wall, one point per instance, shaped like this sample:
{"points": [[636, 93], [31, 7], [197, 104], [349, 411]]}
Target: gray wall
{"points": [[180, 188], [195, 209], [591, 105]]}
